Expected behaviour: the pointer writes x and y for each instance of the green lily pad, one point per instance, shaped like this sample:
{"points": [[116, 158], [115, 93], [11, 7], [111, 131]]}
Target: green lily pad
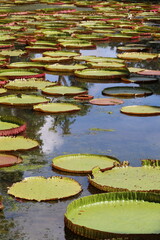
{"points": [[64, 90], [2, 91], [17, 143], [83, 163], [64, 68], [115, 216], [137, 56], [140, 79], [99, 73], [56, 108], [25, 65], [42, 189], [141, 110], [98, 59], [77, 45], [22, 100], [125, 91], [29, 84], [51, 59], [126, 178], [12, 53], [21, 73], [60, 54], [108, 65], [7, 160]]}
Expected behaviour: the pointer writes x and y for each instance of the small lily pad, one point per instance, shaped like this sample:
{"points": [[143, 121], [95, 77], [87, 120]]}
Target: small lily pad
{"points": [[56, 108], [64, 90], [44, 189], [125, 91], [106, 101], [141, 110]]}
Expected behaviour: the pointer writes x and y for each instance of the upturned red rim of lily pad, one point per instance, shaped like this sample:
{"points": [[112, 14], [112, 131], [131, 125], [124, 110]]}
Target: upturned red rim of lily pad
{"points": [[83, 97]]}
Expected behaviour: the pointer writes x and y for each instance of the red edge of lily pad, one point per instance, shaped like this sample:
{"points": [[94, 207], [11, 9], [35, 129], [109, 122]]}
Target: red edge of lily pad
{"points": [[13, 131]]}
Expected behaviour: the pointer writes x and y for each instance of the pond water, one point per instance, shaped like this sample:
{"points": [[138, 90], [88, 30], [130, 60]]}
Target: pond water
{"points": [[128, 138]]}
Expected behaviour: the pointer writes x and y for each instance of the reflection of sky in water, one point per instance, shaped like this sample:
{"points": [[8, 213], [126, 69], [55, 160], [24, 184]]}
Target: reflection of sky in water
{"points": [[51, 139]]}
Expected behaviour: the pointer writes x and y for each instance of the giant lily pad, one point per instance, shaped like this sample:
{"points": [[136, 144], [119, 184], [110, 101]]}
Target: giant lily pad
{"points": [[64, 90], [25, 65], [125, 91], [51, 59], [83, 163], [42, 189], [140, 79], [126, 178], [2, 91], [60, 54], [64, 68], [137, 56], [7, 160], [12, 53], [149, 72], [17, 143], [19, 73], [141, 110], [22, 100], [10, 125], [56, 108], [28, 84], [99, 73], [115, 216]]}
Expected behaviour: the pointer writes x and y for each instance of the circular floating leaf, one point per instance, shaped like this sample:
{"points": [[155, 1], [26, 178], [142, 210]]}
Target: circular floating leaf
{"points": [[56, 107], [60, 54], [149, 72], [25, 65], [19, 73], [132, 49], [115, 215], [83, 97], [22, 100], [12, 53], [83, 163], [64, 90], [141, 110], [42, 189], [108, 65], [16, 143], [9, 160], [51, 59], [64, 68], [106, 101], [29, 84], [78, 45], [10, 125], [137, 56], [99, 73], [2, 91], [127, 91], [140, 79], [127, 179]]}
